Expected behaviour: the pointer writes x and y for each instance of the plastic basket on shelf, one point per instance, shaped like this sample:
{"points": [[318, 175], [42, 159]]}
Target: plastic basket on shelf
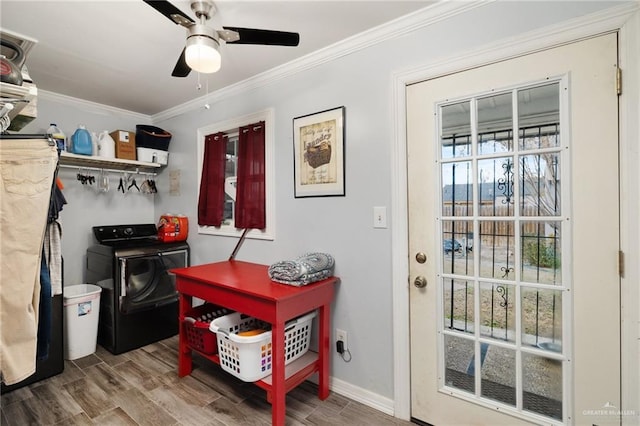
{"points": [[152, 137], [249, 357], [196, 327]]}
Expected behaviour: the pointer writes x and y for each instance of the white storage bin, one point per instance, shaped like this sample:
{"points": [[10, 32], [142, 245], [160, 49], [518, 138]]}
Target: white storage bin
{"points": [[151, 155], [81, 314], [250, 357]]}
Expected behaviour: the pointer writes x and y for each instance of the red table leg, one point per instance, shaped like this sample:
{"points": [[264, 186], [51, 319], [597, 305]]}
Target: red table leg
{"points": [[184, 352], [278, 392], [324, 351]]}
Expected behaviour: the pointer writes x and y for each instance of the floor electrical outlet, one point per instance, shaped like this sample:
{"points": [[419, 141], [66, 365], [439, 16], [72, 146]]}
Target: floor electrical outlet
{"points": [[341, 336]]}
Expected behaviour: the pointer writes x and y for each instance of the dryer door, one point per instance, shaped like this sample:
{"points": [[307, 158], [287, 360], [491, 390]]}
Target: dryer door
{"points": [[145, 281]]}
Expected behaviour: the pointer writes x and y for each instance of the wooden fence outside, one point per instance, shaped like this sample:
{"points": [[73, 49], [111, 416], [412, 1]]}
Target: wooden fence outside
{"points": [[495, 231]]}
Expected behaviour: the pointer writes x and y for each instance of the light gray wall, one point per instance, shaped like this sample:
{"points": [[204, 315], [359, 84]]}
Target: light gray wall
{"points": [[342, 226]]}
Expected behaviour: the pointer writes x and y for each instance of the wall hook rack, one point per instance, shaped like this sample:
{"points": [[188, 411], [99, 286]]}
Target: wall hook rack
{"points": [[108, 170]]}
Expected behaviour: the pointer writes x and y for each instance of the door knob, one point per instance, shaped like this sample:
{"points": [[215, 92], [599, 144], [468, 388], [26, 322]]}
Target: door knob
{"points": [[420, 282], [421, 257]]}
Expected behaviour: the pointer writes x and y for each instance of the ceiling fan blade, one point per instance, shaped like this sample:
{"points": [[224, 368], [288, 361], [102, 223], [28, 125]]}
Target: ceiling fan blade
{"points": [[170, 11], [268, 37], [181, 69]]}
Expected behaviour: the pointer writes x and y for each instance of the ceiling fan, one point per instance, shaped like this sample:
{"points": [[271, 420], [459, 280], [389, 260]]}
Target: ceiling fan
{"points": [[201, 50]]}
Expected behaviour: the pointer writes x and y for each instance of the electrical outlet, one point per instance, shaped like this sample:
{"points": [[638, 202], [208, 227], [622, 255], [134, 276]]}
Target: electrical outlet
{"points": [[341, 335]]}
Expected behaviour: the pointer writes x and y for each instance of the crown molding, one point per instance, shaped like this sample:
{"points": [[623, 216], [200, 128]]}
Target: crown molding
{"points": [[90, 106], [398, 27], [564, 32], [607, 20]]}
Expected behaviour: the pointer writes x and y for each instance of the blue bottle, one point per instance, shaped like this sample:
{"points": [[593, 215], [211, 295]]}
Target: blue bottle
{"points": [[81, 141]]}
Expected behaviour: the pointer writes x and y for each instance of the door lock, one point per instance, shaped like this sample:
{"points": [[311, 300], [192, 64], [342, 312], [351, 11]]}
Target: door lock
{"points": [[420, 282], [421, 257]]}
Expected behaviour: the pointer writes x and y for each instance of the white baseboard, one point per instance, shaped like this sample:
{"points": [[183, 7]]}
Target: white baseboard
{"points": [[362, 396], [358, 394]]}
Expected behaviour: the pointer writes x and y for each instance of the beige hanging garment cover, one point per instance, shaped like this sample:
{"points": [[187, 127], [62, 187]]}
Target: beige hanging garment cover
{"points": [[26, 173]]}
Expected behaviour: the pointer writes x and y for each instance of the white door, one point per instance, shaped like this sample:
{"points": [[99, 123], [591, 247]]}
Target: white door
{"points": [[513, 221]]}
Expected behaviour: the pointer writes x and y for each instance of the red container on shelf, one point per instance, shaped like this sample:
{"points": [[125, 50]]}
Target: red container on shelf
{"points": [[173, 228]]}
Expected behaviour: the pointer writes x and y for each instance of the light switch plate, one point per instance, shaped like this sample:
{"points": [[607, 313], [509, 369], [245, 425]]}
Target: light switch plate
{"points": [[380, 217]]}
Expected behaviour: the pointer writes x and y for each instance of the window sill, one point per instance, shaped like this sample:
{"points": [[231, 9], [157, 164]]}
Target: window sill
{"points": [[226, 231]]}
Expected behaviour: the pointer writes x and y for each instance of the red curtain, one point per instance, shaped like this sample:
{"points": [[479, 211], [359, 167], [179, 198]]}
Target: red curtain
{"points": [[250, 190], [211, 200]]}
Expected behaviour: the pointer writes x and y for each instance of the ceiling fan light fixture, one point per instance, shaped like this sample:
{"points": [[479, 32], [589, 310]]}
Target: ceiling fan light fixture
{"points": [[201, 54]]}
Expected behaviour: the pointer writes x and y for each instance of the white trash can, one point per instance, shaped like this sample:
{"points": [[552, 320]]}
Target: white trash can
{"points": [[81, 313]]}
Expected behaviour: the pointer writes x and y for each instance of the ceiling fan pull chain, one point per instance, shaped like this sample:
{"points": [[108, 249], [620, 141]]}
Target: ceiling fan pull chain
{"points": [[206, 98]]}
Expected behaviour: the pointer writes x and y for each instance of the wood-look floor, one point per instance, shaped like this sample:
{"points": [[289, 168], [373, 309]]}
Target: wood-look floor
{"points": [[141, 387]]}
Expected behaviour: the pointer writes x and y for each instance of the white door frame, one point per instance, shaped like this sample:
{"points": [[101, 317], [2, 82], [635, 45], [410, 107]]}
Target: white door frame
{"points": [[626, 20]]}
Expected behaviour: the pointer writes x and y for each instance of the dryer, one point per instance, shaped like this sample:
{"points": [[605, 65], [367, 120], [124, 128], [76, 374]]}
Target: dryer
{"points": [[139, 301]]}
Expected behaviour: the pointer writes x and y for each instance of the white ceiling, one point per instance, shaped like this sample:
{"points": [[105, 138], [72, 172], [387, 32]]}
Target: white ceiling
{"points": [[121, 52]]}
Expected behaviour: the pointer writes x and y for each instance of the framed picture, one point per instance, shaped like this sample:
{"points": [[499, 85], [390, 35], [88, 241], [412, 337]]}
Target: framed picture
{"points": [[318, 149]]}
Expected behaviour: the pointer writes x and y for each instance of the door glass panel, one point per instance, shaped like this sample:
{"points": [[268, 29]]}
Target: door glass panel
{"points": [[542, 385], [541, 252], [497, 248], [495, 113], [459, 355], [457, 247], [539, 117], [542, 318], [457, 192], [496, 188], [540, 184], [546, 135], [458, 305], [498, 373], [497, 311], [455, 135], [516, 243], [495, 141]]}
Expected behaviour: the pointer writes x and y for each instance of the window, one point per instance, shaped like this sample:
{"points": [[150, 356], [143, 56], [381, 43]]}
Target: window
{"points": [[230, 180], [230, 129]]}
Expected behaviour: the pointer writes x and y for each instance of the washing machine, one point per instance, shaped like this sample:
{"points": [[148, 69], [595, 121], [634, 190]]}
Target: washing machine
{"points": [[139, 301]]}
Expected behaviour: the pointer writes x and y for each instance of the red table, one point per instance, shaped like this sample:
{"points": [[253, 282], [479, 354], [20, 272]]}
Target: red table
{"points": [[246, 287]]}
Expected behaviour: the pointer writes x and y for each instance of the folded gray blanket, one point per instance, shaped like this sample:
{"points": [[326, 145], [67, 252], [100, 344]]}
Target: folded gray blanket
{"points": [[308, 268]]}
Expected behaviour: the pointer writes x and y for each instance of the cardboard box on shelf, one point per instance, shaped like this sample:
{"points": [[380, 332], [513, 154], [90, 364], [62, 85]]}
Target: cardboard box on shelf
{"points": [[125, 144]]}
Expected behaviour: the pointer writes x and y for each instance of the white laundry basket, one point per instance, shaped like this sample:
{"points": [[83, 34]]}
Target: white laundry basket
{"points": [[81, 313], [250, 357]]}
